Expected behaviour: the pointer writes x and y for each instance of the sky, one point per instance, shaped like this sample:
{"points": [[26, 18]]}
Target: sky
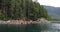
{"points": [[55, 3]]}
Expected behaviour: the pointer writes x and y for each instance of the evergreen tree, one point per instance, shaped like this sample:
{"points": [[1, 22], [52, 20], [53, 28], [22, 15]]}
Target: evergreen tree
{"points": [[23, 9]]}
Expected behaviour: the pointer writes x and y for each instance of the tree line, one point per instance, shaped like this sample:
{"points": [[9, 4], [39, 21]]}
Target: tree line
{"points": [[21, 9]]}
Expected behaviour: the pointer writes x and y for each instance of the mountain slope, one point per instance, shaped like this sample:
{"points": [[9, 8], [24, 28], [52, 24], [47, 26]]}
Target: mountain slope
{"points": [[53, 11]]}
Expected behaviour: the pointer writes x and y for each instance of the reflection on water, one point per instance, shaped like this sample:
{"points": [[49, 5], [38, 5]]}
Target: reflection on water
{"points": [[22, 28], [53, 27]]}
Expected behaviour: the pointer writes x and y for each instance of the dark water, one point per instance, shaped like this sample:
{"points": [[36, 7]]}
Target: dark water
{"points": [[52, 27], [22, 28]]}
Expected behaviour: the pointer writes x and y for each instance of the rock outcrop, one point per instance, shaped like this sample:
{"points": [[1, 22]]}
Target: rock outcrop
{"points": [[39, 21]]}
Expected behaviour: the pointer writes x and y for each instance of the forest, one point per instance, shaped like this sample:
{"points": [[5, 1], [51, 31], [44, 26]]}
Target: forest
{"points": [[22, 9]]}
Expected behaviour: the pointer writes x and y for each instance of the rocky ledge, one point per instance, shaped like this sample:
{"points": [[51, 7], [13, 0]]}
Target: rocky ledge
{"points": [[40, 21]]}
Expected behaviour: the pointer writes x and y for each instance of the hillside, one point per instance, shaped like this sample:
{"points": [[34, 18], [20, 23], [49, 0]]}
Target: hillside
{"points": [[53, 11], [21, 9]]}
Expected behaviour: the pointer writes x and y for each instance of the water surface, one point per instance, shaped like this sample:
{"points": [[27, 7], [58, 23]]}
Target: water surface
{"points": [[52, 27]]}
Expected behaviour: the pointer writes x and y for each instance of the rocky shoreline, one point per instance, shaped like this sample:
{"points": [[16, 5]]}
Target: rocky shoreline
{"points": [[22, 22], [39, 21], [18, 22]]}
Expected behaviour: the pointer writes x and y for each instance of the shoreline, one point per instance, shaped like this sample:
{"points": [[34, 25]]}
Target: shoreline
{"points": [[18, 22], [22, 22]]}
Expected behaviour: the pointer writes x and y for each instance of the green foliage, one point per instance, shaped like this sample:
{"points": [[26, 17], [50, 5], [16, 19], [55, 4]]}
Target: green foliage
{"points": [[23, 9]]}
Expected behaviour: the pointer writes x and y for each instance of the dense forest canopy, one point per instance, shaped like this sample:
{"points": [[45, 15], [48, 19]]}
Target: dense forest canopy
{"points": [[21, 9]]}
